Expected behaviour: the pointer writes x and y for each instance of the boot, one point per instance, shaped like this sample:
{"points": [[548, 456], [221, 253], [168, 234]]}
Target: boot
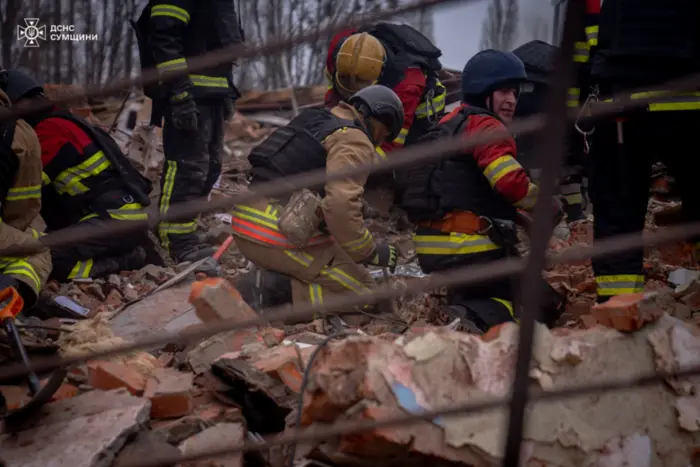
{"points": [[462, 313], [194, 254], [262, 289]]}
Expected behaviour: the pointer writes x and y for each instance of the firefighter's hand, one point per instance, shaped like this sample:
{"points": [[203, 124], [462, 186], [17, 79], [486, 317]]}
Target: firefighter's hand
{"points": [[385, 256], [209, 268], [184, 111]]}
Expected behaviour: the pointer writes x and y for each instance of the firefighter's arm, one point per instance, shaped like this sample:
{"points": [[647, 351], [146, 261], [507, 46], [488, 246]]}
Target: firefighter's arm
{"points": [[32, 270], [342, 204], [410, 90], [169, 20], [23, 201], [503, 172]]}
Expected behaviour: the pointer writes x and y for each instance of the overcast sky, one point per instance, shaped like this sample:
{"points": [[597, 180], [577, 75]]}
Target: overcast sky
{"points": [[458, 28]]}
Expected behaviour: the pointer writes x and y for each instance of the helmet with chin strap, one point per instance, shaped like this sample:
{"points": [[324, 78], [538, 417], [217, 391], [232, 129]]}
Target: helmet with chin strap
{"points": [[382, 104]]}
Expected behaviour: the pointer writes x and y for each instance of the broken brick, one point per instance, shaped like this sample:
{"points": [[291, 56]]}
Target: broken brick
{"points": [[15, 397], [170, 392], [215, 299], [588, 321], [114, 299], [109, 375], [65, 391], [625, 312]]}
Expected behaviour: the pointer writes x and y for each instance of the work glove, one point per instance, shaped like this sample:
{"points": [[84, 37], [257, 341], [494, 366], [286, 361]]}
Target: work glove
{"points": [[209, 268], [385, 256], [229, 109], [184, 111]]}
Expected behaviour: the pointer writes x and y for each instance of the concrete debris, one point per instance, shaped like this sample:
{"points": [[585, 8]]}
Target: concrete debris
{"points": [[369, 378], [87, 430], [224, 434], [146, 445]]}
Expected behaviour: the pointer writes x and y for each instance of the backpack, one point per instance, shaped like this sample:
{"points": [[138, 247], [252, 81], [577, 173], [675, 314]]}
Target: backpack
{"points": [[139, 186]]}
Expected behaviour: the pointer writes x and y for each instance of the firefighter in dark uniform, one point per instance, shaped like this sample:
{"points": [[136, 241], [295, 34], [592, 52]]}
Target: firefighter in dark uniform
{"points": [[194, 106], [641, 44], [466, 205], [538, 57], [86, 180]]}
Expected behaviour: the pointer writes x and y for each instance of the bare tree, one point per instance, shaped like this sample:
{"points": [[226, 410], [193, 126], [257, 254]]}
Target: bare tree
{"points": [[499, 29]]}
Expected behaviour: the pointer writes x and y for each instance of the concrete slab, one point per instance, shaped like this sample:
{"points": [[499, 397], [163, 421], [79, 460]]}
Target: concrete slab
{"points": [[223, 434], [167, 309], [85, 431]]}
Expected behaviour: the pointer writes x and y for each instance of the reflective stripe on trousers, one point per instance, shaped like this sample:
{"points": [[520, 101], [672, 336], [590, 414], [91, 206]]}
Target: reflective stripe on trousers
{"points": [[509, 306], [620, 284], [673, 102], [20, 267], [336, 274], [171, 228], [572, 193], [453, 244], [81, 270], [261, 226], [128, 212]]}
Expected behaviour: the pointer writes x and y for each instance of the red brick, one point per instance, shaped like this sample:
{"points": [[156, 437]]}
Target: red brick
{"points": [[215, 299], [170, 392], [626, 312], [588, 321], [109, 375], [493, 333], [15, 396], [66, 391]]}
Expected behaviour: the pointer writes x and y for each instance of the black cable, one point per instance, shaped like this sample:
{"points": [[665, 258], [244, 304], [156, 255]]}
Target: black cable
{"points": [[304, 383]]}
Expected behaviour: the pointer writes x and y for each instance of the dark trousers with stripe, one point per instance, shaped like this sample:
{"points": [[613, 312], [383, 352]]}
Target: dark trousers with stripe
{"points": [[99, 257], [620, 172], [192, 166], [487, 304]]}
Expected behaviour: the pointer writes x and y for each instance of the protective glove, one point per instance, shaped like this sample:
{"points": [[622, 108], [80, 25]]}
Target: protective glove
{"points": [[385, 256], [209, 268], [184, 111], [229, 109]]}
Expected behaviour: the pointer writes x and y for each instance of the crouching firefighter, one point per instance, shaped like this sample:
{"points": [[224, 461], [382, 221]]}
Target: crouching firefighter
{"points": [[20, 201], [466, 205], [86, 180], [192, 107], [317, 238]]}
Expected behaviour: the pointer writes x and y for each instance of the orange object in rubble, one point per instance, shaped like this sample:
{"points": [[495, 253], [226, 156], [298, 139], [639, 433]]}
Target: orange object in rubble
{"points": [[215, 299], [11, 303]]}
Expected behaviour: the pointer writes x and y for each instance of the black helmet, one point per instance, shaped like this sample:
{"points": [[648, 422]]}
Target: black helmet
{"points": [[488, 70], [21, 85], [381, 103]]}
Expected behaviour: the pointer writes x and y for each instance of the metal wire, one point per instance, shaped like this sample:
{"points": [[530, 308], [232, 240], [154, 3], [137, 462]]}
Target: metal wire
{"points": [[326, 432], [550, 158], [459, 276]]}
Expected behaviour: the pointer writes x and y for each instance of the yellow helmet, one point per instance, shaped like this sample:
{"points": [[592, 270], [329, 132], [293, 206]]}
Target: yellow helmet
{"points": [[359, 63]]}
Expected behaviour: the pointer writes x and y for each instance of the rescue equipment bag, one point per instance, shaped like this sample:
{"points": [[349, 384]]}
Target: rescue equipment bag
{"points": [[408, 45], [138, 186], [301, 217], [9, 162]]}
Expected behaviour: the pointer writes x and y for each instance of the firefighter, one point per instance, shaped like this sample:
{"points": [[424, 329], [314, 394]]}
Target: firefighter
{"points": [[86, 180], [465, 206], [538, 57], [640, 44], [194, 106], [324, 258], [20, 195], [393, 55]]}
